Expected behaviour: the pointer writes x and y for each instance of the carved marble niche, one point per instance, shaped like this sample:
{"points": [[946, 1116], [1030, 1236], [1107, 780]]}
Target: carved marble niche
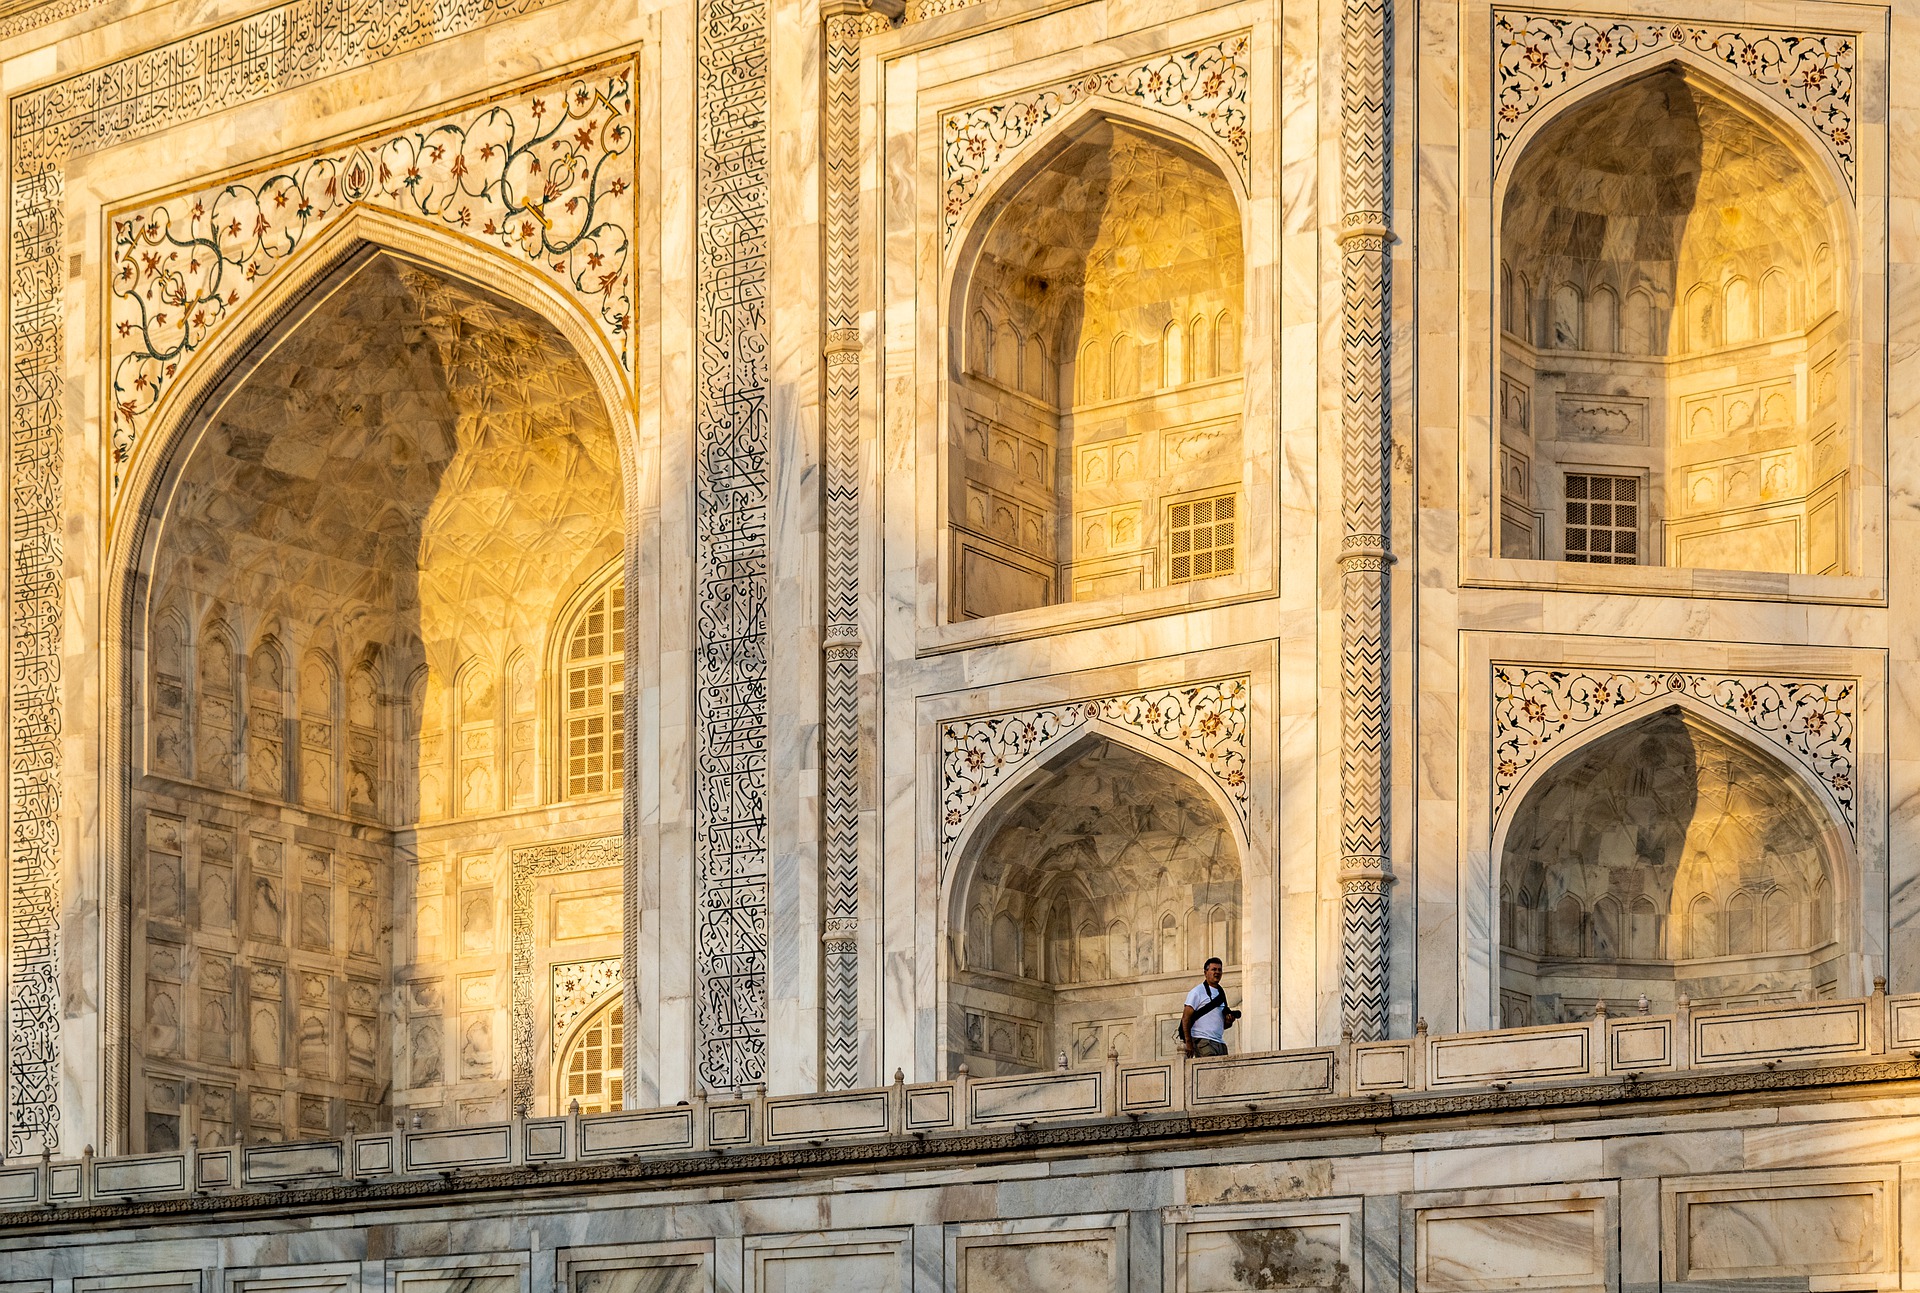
{"points": [[1670, 858], [1095, 444], [1092, 853], [1676, 329]]}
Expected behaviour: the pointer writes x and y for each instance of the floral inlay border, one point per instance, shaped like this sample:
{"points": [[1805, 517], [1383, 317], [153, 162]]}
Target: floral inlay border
{"points": [[1208, 84], [1811, 720], [1206, 722], [546, 176], [1540, 56]]}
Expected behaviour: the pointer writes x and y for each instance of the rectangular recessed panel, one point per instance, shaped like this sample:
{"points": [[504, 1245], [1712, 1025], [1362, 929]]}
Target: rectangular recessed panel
{"points": [[812, 1116], [147, 1175], [1557, 1245], [1905, 1023], [1047, 1096], [729, 1124], [1384, 1067], [1513, 1055], [1147, 1088], [1265, 1078], [469, 1147], [1745, 1036], [632, 1133], [547, 1139], [19, 1185], [1640, 1045], [282, 1162], [1784, 1232], [929, 1107], [372, 1155]]}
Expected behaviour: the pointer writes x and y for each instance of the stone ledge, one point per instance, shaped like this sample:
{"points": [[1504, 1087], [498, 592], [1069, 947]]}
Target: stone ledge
{"points": [[1379, 1114]]}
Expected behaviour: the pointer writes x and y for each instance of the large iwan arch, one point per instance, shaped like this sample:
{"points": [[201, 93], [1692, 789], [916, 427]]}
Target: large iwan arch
{"points": [[389, 476]]}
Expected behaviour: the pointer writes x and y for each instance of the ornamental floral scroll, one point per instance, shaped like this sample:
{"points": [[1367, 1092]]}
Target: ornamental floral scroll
{"points": [[1206, 722], [1811, 720], [575, 987], [1208, 85], [1541, 56], [546, 176]]}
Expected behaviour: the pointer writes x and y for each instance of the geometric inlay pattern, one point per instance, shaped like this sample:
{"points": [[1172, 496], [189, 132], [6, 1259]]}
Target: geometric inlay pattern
{"points": [[529, 866], [1206, 722], [546, 176], [1538, 57], [239, 62], [732, 464], [1208, 85], [1811, 720]]}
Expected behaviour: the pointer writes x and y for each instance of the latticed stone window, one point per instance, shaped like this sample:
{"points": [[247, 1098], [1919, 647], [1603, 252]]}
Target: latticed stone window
{"points": [[595, 675], [591, 1070], [1603, 519], [1200, 538]]}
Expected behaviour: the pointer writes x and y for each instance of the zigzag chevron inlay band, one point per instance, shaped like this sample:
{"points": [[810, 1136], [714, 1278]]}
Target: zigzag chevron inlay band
{"points": [[1366, 447]]}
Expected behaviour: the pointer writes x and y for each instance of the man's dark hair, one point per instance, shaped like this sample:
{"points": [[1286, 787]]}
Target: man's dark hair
{"points": [[1212, 960]]}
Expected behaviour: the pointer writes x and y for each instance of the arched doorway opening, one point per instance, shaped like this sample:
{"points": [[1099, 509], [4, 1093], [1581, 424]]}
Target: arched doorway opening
{"points": [[1670, 859], [355, 571], [1085, 910]]}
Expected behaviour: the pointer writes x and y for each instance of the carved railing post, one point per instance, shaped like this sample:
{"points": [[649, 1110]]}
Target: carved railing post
{"points": [[1366, 438], [846, 22]]}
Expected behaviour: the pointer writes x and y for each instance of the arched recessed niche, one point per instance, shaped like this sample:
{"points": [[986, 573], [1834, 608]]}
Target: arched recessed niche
{"points": [[1084, 911], [361, 541], [1686, 398], [1670, 859], [1094, 430]]}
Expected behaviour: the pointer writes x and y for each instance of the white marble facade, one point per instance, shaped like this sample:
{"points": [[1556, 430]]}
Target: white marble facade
{"points": [[1014, 582]]}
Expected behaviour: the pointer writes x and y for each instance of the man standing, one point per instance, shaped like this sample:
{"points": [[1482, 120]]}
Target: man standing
{"points": [[1205, 1019]]}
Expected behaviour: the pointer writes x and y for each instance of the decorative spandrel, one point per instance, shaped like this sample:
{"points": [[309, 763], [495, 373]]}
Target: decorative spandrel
{"points": [[1539, 57], [1205, 723], [1810, 720], [1208, 85], [546, 177]]}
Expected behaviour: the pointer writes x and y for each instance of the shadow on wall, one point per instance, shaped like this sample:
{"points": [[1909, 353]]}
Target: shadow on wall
{"points": [[1667, 859]]}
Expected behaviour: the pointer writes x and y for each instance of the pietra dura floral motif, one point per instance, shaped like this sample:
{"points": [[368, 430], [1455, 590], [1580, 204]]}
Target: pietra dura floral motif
{"points": [[1809, 719], [546, 176], [1206, 722], [1208, 85], [1540, 56]]}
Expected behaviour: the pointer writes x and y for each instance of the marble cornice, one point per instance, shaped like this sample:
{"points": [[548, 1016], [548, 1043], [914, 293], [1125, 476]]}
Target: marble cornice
{"points": [[1379, 1115]]}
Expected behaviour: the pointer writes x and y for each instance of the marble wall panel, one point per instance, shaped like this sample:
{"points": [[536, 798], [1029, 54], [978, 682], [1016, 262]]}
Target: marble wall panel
{"points": [[1817, 1222], [1547, 1238]]}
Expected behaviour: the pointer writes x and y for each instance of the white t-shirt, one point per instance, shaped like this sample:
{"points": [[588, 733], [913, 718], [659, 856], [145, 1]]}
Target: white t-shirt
{"points": [[1213, 1025]]}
